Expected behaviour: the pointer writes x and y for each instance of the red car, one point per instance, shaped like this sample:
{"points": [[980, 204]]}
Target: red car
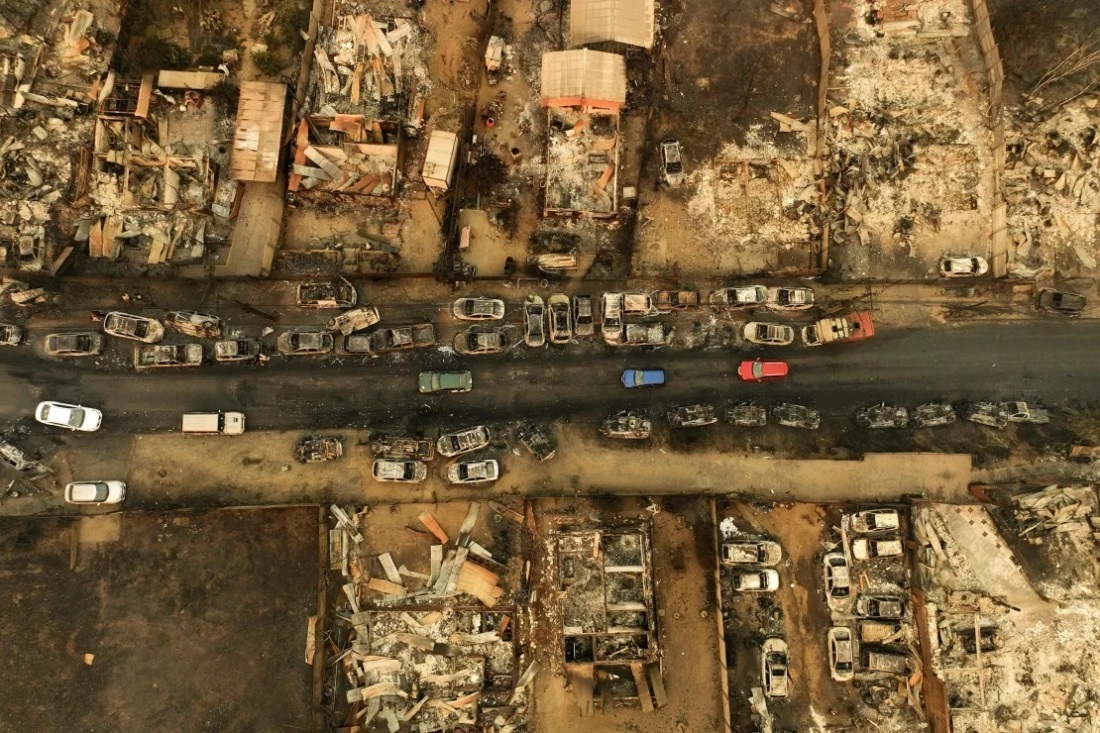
{"points": [[760, 370]]}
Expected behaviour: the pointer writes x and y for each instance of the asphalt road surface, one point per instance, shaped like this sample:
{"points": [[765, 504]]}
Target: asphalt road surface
{"points": [[1044, 362]]}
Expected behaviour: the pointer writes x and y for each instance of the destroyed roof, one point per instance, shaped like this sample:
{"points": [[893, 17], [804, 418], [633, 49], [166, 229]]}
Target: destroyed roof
{"points": [[583, 78], [625, 21], [256, 137]]}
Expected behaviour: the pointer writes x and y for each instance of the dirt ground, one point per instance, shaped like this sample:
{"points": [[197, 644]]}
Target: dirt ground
{"points": [[723, 70], [683, 562], [196, 621]]}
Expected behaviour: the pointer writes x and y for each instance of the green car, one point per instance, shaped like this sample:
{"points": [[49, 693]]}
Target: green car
{"points": [[445, 382]]}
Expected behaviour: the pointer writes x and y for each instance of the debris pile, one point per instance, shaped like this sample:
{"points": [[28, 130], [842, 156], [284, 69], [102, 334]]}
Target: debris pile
{"points": [[909, 146], [424, 649], [349, 154], [47, 86], [1057, 509], [989, 632], [1052, 189], [582, 155], [602, 631], [370, 66], [757, 194]]}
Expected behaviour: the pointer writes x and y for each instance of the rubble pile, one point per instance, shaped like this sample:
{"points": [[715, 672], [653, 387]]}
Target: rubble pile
{"points": [[909, 160], [1052, 188], [370, 66], [755, 194], [426, 649], [990, 634], [582, 156], [49, 86]]}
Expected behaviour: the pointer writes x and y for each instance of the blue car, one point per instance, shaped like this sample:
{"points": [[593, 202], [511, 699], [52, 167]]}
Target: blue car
{"points": [[643, 377]]}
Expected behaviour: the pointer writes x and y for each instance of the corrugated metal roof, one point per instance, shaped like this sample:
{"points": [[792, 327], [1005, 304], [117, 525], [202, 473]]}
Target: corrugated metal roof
{"points": [[625, 21], [583, 77], [257, 137]]}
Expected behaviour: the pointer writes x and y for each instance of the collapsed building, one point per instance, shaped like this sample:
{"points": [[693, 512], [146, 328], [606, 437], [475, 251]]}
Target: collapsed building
{"points": [[609, 646], [428, 647]]}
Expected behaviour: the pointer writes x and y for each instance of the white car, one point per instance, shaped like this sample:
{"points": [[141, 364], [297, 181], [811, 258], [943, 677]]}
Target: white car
{"points": [[773, 663], [758, 579], [474, 472], [771, 334], [876, 520], [870, 549], [838, 582], [73, 417], [841, 654], [792, 298], [963, 267], [95, 492]]}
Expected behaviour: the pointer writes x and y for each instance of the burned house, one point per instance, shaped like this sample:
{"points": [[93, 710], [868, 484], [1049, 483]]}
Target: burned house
{"points": [[583, 92], [49, 67], [609, 624], [156, 171], [426, 637]]}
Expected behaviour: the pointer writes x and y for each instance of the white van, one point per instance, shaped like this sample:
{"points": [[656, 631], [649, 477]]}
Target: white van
{"points": [[213, 423]]}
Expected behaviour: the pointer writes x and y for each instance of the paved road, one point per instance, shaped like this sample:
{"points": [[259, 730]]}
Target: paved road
{"points": [[1048, 362]]}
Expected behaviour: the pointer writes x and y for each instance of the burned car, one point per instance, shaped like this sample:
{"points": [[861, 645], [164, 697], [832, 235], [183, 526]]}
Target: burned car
{"points": [[17, 458], [478, 309], [747, 415], [165, 355], [87, 343], [883, 416], [790, 298], [583, 323], [1022, 412], [1057, 301], [676, 300], [561, 320], [474, 472], [932, 415], [463, 441], [10, 334], [871, 548], [318, 449], [627, 426], [756, 552], [838, 582], [886, 607], [398, 471], [841, 654], [401, 338], [339, 294], [193, 323], [236, 350], [692, 416], [353, 320], [672, 164], [876, 520], [987, 413], [534, 322], [304, 343], [396, 446], [796, 416], [481, 341], [773, 660], [535, 439], [768, 334], [742, 296], [135, 328]]}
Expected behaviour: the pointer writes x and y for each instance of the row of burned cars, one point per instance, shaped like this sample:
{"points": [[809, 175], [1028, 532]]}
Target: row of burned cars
{"points": [[402, 459]]}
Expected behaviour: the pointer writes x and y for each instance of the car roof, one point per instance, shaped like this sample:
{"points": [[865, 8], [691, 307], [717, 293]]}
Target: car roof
{"points": [[88, 491]]}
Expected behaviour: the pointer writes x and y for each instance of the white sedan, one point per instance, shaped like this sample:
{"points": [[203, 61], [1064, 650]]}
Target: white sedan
{"points": [[95, 492], [73, 417], [963, 266]]}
